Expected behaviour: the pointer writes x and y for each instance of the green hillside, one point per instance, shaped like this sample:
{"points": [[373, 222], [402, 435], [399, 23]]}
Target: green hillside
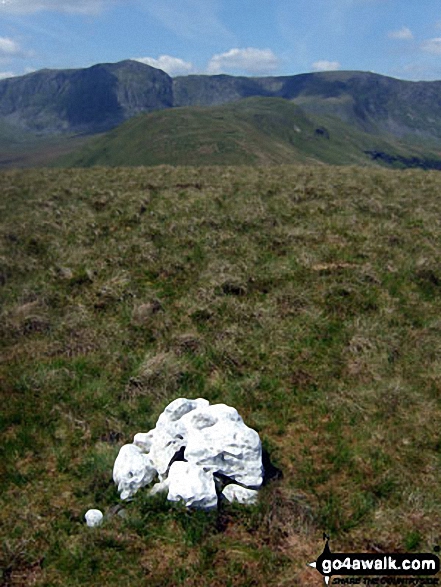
{"points": [[370, 102], [28, 150], [251, 131], [309, 298]]}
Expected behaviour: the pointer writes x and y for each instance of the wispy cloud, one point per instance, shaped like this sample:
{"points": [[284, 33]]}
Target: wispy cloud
{"points": [[169, 64], [324, 65], [337, 13], [194, 20], [403, 34], [417, 71], [432, 46], [69, 6], [249, 60], [6, 74], [9, 48]]}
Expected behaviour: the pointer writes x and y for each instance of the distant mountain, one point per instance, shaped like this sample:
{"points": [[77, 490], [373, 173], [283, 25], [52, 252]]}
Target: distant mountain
{"points": [[101, 97], [51, 103], [374, 103], [83, 100], [247, 132]]}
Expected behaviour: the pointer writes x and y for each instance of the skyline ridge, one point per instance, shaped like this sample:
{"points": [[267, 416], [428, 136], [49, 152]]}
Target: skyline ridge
{"points": [[392, 38], [205, 74]]}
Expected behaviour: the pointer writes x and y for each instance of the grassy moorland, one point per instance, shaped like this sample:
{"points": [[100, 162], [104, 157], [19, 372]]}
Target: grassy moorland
{"points": [[254, 131], [307, 297], [26, 150]]}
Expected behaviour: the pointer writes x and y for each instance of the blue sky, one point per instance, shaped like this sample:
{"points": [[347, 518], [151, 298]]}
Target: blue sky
{"points": [[400, 38]]}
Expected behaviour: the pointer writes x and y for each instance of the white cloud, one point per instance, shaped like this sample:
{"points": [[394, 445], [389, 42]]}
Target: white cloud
{"points": [[70, 6], [9, 48], [324, 65], [403, 34], [250, 60], [432, 46], [171, 65], [6, 74]]}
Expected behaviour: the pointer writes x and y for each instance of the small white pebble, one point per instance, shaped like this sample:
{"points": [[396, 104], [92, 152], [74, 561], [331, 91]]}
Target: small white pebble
{"points": [[94, 518]]}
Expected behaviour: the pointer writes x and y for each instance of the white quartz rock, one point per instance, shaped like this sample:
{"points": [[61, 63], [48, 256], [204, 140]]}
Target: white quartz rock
{"points": [[132, 470], [234, 492], [94, 518], [161, 487], [191, 484], [165, 445], [191, 441], [144, 440], [178, 408], [219, 441], [170, 435]]}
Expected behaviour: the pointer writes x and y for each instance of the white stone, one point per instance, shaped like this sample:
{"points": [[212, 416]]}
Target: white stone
{"points": [[219, 441], [143, 440], [192, 485], [210, 439], [165, 444], [234, 492], [161, 487], [170, 435], [178, 408], [94, 518], [132, 470]]}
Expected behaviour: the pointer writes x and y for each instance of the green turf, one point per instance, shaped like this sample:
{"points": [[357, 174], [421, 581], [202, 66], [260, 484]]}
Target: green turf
{"points": [[307, 297], [254, 131]]}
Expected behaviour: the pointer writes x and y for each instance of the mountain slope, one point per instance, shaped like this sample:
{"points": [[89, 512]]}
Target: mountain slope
{"points": [[251, 131], [83, 100], [374, 103]]}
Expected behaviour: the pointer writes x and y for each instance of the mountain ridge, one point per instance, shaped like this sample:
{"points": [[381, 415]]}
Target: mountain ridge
{"points": [[354, 96], [102, 96], [87, 100], [97, 99]]}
